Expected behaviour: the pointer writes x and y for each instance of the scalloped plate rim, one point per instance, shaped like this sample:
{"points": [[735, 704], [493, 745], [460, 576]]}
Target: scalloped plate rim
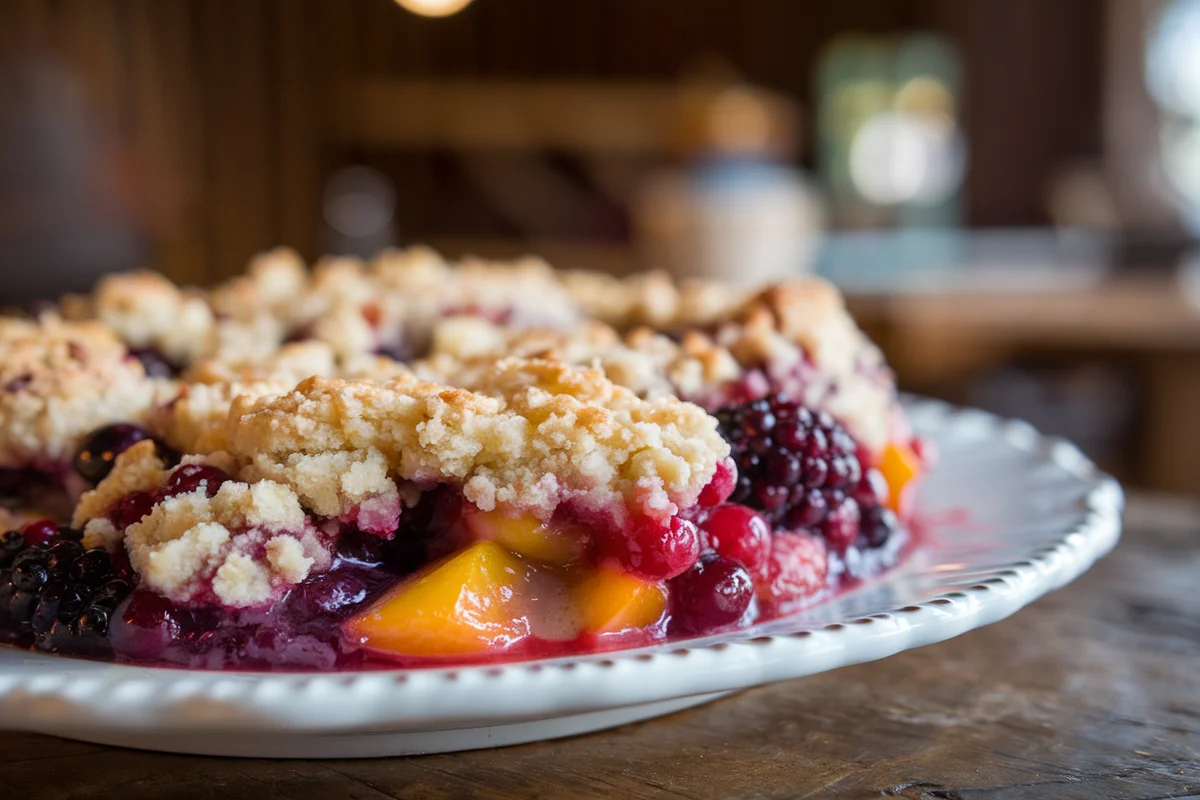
{"points": [[88, 699]]}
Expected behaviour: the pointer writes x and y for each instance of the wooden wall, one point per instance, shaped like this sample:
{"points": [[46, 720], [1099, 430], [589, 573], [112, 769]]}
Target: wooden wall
{"points": [[225, 101]]}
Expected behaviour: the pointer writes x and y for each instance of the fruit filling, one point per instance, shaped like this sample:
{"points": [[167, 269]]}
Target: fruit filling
{"points": [[207, 564]]}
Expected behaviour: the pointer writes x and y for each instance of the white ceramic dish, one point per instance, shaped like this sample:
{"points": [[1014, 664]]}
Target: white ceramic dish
{"points": [[1016, 515]]}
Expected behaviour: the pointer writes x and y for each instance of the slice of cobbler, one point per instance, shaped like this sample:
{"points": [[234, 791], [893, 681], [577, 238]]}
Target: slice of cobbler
{"points": [[351, 521]]}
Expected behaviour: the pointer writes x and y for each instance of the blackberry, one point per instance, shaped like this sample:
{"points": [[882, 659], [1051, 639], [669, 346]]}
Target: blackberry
{"points": [[793, 465], [801, 470], [57, 593]]}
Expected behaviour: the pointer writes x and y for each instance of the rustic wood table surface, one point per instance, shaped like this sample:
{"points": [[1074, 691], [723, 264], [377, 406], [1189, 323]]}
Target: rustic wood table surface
{"points": [[1093, 692]]}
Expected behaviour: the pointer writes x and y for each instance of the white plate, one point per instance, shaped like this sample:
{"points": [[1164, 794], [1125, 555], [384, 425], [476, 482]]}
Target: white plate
{"points": [[1020, 514]]}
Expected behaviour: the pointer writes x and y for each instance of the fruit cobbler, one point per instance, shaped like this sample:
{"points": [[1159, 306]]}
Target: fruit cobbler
{"points": [[408, 462]]}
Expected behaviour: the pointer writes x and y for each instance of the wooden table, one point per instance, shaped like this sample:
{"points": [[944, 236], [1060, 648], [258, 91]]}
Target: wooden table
{"points": [[1092, 693]]}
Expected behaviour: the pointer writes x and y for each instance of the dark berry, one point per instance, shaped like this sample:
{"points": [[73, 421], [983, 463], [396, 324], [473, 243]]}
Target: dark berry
{"points": [[92, 568], [72, 601], [878, 525], [21, 605], [95, 459], [714, 593], [46, 612], [841, 525], [190, 477], [802, 470], [93, 621], [39, 532], [739, 534], [657, 550], [29, 571], [130, 509], [154, 363], [331, 593], [62, 555]]}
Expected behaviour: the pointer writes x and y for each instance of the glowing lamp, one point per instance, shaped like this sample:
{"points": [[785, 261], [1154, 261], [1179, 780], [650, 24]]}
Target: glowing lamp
{"points": [[434, 8]]}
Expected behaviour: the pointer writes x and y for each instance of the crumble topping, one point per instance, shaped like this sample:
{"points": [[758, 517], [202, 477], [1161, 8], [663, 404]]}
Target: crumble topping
{"points": [[240, 548], [531, 435], [148, 311], [59, 381]]}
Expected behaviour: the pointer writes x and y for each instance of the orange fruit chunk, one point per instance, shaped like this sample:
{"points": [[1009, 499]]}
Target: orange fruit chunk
{"points": [[611, 600], [469, 602], [900, 467], [526, 535]]}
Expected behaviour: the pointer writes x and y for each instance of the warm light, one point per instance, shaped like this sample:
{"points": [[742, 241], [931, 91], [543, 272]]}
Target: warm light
{"points": [[434, 8]]}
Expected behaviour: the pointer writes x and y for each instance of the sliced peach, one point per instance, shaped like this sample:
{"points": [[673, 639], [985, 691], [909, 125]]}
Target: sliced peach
{"points": [[611, 600], [467, 603], [527, 535], [901, 467]]}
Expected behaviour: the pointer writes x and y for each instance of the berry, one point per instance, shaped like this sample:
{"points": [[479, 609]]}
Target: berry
{"points": [[154, 363], [30, 570], [190, 477], [714, 593], [92, 622], [146, 625], [95, 459], [723, 483], [841, 525], [39, 532], [879, 523], [331, 593], [796, 571], [45, 614], [131, 508], [656, 550], [785, 456], [92, 568], [59, 592], [739, 534]]}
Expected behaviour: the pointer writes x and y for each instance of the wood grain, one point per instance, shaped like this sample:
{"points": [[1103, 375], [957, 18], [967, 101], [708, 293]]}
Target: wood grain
{"points": [[1092, 693]]}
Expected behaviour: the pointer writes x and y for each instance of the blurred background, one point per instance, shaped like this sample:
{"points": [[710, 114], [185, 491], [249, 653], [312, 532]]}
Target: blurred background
{"points": [[1007, 190]]}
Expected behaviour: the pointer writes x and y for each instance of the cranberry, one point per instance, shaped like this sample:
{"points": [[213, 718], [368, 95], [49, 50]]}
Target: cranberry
{"points": [[146, 625], [714, 593], [723, 483], [656, 550], [131, 508], [739, 534], [95, 459], [191, 477], [796, 570], [39, 533]]}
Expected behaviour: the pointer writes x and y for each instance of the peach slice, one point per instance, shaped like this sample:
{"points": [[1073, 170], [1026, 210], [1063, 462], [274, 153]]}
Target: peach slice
{"points": [[611, 600], [469, 602], [901, 467], [526, 535]]}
